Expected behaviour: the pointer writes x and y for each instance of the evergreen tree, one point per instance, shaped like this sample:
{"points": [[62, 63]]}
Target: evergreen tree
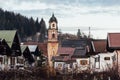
{"points": [[43, 30], [37, 25], [25, 26]]}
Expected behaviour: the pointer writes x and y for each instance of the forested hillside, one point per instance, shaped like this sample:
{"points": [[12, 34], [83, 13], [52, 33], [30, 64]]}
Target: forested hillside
{"points": [[27, 27]]}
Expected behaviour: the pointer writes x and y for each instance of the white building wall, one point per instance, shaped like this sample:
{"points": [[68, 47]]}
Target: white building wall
{"points": [[2, 62], [8, 60], [59, 65], [80, 66], [92, 63], [74, 65], [102, 64], [117, 52]]}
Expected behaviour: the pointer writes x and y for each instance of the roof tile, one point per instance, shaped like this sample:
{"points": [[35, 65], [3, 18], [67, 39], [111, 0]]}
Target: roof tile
{"points": [[65, 50], [99, 45], [114, 40]]}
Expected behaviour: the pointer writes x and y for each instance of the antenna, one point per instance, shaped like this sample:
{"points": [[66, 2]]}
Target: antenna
{"points": [[89, 35]]}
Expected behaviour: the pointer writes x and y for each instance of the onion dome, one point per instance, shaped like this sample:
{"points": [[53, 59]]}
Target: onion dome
{"points": [[53, 19]]}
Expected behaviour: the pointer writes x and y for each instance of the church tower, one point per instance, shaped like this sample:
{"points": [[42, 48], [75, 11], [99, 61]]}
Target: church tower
{"points": [[52, 46]]}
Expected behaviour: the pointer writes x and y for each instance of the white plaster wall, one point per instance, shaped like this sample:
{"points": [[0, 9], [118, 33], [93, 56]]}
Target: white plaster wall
{"points": [[56, 64], [82, 67], [74, 65], [8, 60], [2, 63], [117, 52], [103, 64]]}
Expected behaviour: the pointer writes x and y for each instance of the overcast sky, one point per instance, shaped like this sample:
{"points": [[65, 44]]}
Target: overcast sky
{"points": [[101, 15]]}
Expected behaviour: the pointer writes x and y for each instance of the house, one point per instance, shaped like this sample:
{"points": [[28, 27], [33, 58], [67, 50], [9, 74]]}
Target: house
{"points": [[80, 55], [113, 43], [43, 51], [34, 50], [11, 47], [4, 51], [82, 59], [59, 63], [26, 59], [42, 46], [102, 62], [63, 59], [101, 59]]}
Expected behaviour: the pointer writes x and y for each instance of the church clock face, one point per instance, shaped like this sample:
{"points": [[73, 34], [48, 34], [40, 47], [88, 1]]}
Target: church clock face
{"points": [[53, 25]]}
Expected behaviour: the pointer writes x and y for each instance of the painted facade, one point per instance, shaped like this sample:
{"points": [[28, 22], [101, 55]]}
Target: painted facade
{"points": [[52, 46], [102, 62]]}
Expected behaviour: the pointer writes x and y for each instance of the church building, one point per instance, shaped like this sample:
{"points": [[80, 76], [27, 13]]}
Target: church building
{"points": [[52, 45]]}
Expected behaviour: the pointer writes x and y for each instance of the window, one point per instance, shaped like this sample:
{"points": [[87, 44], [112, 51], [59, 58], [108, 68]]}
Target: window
{"points": [[97, 62], [59, 67], [53, 35], [5, 60], [21, 61], [83, 62], [12, 60], [106, 58], [97, 59], [75, 66], [1, 60], [53, 25], [113, 58]]}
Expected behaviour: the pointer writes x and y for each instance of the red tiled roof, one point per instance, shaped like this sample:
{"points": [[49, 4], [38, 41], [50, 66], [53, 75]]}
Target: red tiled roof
{"points": [[99, 45], [65, 53], [41, 46], [114, 40], [65, 50], [63, 58], [58, 58]]}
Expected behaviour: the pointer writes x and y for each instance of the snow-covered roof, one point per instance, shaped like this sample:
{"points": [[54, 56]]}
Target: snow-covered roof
{"points": [[32, 48]]}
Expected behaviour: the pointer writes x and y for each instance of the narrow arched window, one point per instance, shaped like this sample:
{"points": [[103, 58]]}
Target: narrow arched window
{"points": [[53, 25], [53, 35]]}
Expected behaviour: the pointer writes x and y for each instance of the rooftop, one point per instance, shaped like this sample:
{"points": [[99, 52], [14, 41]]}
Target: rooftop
{"points": [[114, 40], [99, 45], [65, 50]]}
